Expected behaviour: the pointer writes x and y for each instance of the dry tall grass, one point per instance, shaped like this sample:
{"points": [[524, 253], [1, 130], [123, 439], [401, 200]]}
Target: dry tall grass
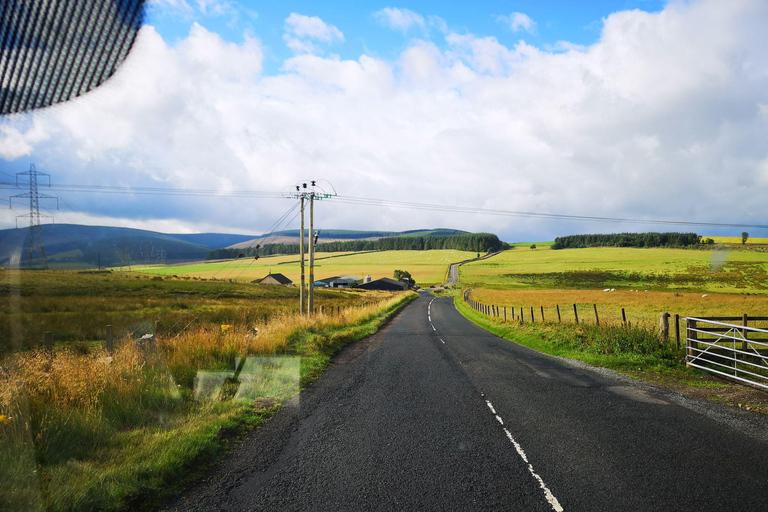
{"points": [[63, 406]]}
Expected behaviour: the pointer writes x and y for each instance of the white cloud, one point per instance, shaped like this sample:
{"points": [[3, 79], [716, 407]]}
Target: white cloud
{"points": [[312, 27], [300, 30], [399, 19], [518, 21], [657, 120]]}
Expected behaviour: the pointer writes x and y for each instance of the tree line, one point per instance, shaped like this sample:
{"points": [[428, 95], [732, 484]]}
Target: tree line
{"points": [[473, 242], [627, 240]]}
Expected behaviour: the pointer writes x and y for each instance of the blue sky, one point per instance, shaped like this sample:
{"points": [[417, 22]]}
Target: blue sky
{"points": [[631, 109], [555, 20]]}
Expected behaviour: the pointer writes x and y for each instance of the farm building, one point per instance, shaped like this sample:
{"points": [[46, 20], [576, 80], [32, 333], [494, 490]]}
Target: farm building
{"points": [[274, 279], [385, 284], [338, 281]]}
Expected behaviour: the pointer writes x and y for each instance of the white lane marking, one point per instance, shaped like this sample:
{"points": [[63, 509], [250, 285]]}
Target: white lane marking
{"points": [[499, 419], [547, 493], [429, 316], [490, 406], [441, 339], [433, 328]]}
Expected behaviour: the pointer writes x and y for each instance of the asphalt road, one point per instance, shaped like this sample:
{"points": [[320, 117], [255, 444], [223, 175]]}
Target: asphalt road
{"points": [[434, 413]]}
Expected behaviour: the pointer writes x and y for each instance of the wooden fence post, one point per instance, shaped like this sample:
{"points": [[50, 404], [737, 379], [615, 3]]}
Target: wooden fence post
{"points": [[110, 342], [744, 344], [542, 314], [597, 318], [664, 326], [533, 319], [691, 337], [575, 313], [505, 313], [48, 342], [522, 316], [623, 317], [677, 331], [558, 314]]}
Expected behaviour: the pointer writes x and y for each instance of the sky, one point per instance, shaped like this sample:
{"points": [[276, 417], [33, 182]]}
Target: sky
{"points": [[632, 109]]}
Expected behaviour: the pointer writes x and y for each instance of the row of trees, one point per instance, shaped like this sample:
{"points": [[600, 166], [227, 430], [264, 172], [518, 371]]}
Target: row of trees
{"points": [[473, 242], [627, 240]]}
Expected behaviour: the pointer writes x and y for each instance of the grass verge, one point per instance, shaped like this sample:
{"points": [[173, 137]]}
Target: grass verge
{"points": [[122, 431], [634, 352]]}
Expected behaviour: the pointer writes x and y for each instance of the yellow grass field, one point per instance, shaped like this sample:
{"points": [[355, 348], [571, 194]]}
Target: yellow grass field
{"points": [[426, 267], [646, 282], [642, 308], [737, 240]]}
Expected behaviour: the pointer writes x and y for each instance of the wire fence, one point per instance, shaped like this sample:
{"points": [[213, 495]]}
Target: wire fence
{"points": [[670, 327]]}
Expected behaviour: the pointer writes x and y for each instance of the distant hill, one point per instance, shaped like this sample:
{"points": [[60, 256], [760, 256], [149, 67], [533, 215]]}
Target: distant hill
{"points": [[76, 246], [291, 236]]}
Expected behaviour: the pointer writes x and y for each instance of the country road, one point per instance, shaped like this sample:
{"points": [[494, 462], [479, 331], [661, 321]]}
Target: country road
{"points": [[434, 413], [453, 269]]}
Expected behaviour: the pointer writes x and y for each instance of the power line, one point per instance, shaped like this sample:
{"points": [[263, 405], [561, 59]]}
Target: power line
{"points": [[541, 215], [111, 189], [214, 193]]}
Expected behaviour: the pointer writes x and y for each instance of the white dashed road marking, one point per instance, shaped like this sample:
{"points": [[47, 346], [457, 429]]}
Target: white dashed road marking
{"points": [[547, 493]]}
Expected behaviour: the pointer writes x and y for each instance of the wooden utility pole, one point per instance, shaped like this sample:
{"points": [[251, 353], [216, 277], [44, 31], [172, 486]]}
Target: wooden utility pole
{"points": [[302, 289], [311, 310]]}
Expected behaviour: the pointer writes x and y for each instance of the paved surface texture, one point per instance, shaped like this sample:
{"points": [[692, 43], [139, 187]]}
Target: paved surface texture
{"points": [[434, 413]]}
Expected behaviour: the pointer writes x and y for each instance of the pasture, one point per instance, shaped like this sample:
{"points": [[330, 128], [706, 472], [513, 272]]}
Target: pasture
{"points": [[653, 269], [426, 267], [76, 306]]}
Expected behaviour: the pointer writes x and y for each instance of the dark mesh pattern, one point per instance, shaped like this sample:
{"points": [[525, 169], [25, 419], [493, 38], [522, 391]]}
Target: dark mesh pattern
{"points": [[55, 50]]}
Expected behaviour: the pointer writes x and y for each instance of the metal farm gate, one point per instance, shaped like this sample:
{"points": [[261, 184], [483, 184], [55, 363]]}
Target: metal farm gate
{"points": [[734, 351]]}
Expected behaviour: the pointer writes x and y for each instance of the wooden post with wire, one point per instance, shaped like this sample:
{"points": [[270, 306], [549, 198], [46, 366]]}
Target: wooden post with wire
{"points": [[303, 285], [558, 314], [311, 308], [575, 313], [542, 314], [597, 318]]}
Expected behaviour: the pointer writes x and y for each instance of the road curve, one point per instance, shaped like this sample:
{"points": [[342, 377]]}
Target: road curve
{"points": [[434, 413], [453, 269]]}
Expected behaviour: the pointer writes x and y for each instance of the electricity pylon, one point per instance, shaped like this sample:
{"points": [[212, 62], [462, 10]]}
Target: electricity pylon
{"points": [[36, 243]]}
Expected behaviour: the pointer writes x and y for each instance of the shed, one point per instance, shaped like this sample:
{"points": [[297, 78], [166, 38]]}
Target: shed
{"points": [[274, 279], [385, 284], [338, 281]]}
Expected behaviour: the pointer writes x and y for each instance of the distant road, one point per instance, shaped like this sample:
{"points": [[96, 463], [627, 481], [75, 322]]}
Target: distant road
{"points": [[434, 413], [453, 271]]}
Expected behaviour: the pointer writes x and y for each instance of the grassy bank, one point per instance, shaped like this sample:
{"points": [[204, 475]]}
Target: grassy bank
{"points": [[98, 431], [615, 347], [636, 352]]}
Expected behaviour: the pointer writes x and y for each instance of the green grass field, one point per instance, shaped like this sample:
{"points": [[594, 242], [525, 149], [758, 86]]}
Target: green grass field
{"points": [[656, 269], [426, 267]]}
